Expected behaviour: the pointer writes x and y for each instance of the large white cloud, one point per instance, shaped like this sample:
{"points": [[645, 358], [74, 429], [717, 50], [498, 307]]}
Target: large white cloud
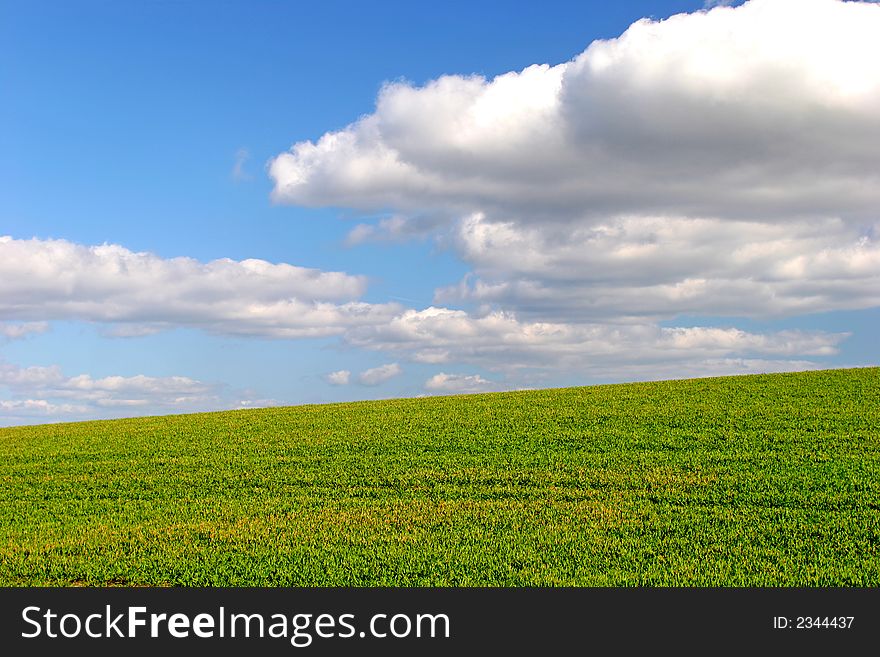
{"points": [[767, 111], [57, 279]]}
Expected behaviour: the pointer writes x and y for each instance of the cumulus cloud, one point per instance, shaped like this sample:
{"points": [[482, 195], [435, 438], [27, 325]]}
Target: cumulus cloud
{"points": [[499, 341], [444, 383], [105, 391], [16, 330], [719, 162], [338, 378], [661, 267], [765, 111], [378, 375], [45, 392], [57, 279]]}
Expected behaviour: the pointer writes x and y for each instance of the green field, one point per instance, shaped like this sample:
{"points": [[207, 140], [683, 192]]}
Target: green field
{"points": [[758, 480]]}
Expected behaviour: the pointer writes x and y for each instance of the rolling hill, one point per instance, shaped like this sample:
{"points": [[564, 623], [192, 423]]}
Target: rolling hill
{"points": [[767, 480]]}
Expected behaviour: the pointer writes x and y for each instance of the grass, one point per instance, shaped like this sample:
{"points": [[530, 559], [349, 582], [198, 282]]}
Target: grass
{"points": [[770, 480]]}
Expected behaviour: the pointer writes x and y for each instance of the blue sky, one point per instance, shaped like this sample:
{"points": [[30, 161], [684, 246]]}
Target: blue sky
{"points": [[645, 209]]}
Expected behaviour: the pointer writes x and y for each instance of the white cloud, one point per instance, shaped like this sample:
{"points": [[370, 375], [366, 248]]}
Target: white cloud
{"points": [[719, 162], [46, 392], [30, 378], [16, 330], [499, 341], [359, 234], [699, 369], [51, 382], [666, 266], [24, 409], [56, 279], [257, 403], [458, 383], [378, 375], [767, 111], [338, 378]]}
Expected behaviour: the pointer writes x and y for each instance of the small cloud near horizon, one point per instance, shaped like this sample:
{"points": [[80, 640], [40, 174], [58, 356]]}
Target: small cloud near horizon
{"points": [[338, 378], [381, 374]]}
